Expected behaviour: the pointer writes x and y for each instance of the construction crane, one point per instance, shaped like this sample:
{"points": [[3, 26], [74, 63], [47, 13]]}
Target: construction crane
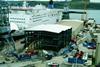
{"points": [[84, 16], [67, 11], [5, 33]]}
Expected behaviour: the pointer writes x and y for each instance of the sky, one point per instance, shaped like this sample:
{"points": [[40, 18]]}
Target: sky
{"points": [[96, 1]]}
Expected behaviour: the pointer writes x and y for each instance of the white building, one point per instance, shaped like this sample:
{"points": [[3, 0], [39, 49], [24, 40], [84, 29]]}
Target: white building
{"points": [[26, 17], [20, 19]]}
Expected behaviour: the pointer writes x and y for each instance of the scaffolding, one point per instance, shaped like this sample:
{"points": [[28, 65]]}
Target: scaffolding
{"points": [[5, 35], [48, 40]]}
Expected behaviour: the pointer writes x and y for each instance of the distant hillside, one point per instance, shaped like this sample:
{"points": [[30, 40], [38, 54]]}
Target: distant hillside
{"points": [[75, 4], [33, 3]]}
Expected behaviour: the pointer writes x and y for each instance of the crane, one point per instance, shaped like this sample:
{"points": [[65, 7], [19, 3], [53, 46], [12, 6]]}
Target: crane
{"points": [[67, 11], [84, 16]]}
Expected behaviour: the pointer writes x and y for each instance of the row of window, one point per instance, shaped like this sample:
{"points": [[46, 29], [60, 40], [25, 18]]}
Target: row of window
{"points": [[36, 17], [37, 20], [18, 21], [18, 18]]}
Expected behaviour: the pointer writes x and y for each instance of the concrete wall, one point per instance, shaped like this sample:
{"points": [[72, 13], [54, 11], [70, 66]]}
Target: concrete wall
{"points": [[98, 50]]}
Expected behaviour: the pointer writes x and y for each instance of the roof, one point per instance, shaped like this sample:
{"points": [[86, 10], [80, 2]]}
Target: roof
{"points": [[55, 28], [73, 23], [76, 25]]}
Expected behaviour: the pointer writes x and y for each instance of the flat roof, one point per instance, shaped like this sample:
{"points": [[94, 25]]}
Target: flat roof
{"points": [[55, 28], [73, 23]]}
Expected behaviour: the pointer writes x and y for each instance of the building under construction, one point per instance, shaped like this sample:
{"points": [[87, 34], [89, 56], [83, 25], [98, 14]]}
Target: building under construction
{"points": [[49, 37]]}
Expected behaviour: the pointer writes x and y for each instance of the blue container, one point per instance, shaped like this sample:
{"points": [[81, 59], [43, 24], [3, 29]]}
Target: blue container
{"points": [[75, 60]]}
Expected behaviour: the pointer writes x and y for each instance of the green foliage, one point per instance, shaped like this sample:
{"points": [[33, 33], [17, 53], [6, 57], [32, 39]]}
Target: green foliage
{"points": [[75, 4]]}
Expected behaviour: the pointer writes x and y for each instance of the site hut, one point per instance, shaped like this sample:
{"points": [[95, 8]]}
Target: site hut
{"points": [[48, 36]]}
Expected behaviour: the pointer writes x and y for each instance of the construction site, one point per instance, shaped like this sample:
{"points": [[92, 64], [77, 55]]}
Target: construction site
{"points": [[66, 43]]}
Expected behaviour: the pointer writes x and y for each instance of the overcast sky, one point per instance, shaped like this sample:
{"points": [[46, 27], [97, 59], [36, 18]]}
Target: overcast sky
{"points": [[95, 1]]}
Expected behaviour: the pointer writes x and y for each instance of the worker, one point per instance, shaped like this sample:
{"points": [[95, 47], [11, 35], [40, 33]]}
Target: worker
{"points": [[79, 54]]}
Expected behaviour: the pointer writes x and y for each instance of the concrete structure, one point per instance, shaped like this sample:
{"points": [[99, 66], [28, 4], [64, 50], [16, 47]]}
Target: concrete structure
{"points": [[97, 56], [26, 17], [76, 25]]}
